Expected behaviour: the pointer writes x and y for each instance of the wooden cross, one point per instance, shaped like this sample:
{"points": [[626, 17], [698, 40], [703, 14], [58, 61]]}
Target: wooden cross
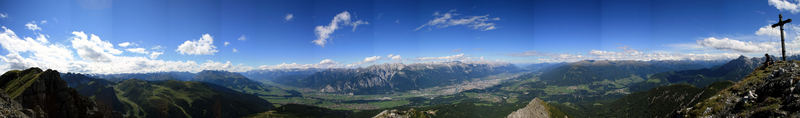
{"points": [[780, 23]]}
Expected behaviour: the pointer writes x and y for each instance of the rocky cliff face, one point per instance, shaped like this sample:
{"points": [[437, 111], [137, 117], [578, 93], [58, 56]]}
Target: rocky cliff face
{"points": [[770, 91], [47, 95], [534, 109]]}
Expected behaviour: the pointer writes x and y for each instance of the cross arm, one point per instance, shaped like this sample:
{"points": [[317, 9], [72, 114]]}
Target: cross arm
{"points": [[781, 23]]}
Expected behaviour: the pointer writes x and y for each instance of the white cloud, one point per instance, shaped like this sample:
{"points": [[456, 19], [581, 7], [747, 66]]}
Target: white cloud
{"points": [[288, 17], [394, 57], [124, 44], [327, 62], [92, 48], [3, 15], [40, 52], [371, 59], [33, 26], [99, 57], [203, 46], [443, 20], [226, 43], [625, 54], [447, 58], [154, 55], [785, 5], [630, 54], [137, 50], [235, 50], [769, 31], [736, 45], [242, 38], [323, 32]]}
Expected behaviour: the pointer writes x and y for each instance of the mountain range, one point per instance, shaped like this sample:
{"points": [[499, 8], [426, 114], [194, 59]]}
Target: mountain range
{"points": [[587, 88]]}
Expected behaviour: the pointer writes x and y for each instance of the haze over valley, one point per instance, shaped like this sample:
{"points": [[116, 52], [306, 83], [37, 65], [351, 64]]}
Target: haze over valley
{"points": [[398, 59]]}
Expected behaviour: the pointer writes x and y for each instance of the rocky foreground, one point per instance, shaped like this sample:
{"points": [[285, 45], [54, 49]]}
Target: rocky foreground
{"points": [[43, 94], [535, 109], [770, 91]]}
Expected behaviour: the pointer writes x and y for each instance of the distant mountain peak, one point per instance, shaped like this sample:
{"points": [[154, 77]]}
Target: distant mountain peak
{"points": [[741, 57]]}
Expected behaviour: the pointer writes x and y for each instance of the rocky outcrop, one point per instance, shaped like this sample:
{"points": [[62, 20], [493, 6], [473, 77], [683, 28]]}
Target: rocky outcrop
{"points": [[535, 109], [12, 109], [769, 91], [410, 113], [47, 95]]}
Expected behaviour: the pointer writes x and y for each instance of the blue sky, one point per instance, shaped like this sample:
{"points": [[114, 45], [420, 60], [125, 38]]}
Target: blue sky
{"points": [[513, 31]]}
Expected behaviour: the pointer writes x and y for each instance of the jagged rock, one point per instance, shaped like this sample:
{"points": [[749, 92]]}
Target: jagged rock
{"points": [[48, 95], [12, 109], [410, 113], [767, 92], [534, 109]]}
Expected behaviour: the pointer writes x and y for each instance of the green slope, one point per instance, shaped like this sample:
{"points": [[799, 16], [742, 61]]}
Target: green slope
{"points": [[186, 99]]}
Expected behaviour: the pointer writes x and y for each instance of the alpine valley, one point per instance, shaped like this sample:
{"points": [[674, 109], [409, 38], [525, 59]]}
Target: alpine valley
{"points": [[399, 59], [589, 88]]}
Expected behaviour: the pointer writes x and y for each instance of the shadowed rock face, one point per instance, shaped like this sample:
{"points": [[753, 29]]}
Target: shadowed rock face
{"points": [[47, 95], [534, 109]]}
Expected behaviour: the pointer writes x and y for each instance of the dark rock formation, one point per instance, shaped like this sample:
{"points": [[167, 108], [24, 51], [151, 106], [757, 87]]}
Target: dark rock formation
{"points": [[47, 95]]}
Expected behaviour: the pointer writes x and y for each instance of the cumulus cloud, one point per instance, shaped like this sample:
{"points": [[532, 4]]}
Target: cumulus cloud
{"points": [[242, 38], [99, 56], [3, 15], [451, 18], [203, 46], [288, 17], [137, 50], [736, 45], [235, 50], [33, 26], [226, 43], [769, 31], [124, 44], [323, 32], [42, 53], [91, 47], [785, 5], [371, 59], [394, 57]]}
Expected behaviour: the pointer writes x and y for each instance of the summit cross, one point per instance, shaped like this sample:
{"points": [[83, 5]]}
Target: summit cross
{"points": [[780, 23]]}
